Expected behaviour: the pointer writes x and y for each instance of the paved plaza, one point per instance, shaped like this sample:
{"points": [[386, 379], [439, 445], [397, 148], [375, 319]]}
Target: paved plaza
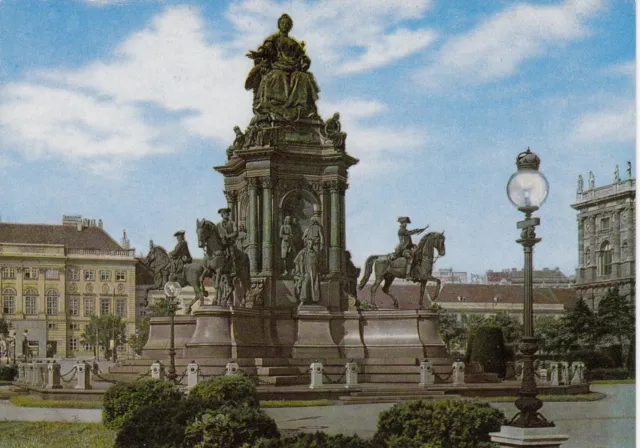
{"points": [[608, 423]]}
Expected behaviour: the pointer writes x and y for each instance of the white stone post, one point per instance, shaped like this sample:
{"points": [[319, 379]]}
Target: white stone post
{"points": [[22, 378], [458, 374], [351, 374], [157, 370], [564, 373], [555, 373], [31, 373], [427, 374], [233, 369], [53, 379], [577, 370], [83, 372], [317, 370], [41, 375], [193, 371], [511, 436]]}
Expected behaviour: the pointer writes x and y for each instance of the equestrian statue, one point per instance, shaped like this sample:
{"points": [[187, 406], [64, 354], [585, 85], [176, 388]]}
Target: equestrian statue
{"points": [[408, 261]]}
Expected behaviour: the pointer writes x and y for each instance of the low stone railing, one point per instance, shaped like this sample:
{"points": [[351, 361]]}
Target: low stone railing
{"points": [[47, 375]]}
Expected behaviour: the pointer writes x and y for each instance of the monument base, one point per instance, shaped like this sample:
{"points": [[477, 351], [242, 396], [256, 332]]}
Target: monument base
{"points": [[314, 338], [511, 436]]}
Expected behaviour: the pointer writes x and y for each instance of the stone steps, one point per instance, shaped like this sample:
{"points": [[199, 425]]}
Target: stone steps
{"points": [[358, 398]]}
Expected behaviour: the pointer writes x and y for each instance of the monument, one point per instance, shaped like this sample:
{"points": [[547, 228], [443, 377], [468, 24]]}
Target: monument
{"points": [[285, 285]]}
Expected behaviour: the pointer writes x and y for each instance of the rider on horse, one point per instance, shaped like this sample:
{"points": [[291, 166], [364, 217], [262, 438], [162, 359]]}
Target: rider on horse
{"points": [[406, 247], [229, 233], [179, 256]]}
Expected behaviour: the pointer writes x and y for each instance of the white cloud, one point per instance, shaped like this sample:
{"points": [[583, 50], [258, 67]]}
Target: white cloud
{"points": [[624, 68], [497, 47], [611, 125]]}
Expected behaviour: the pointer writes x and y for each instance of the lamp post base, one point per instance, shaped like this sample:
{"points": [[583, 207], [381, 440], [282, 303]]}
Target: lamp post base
{"points": [[511, 436]]}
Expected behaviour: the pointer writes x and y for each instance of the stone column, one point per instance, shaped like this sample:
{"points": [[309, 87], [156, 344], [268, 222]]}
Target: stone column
{"points": [[321, 189], [267, 219], [19, 303], [335, 253], [252, 227], [343, 230], [232, 203], [581, 243]]}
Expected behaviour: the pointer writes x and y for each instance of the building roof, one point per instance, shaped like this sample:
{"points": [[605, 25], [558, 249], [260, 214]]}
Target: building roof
{"points": [[88, 238], [408, 294]]}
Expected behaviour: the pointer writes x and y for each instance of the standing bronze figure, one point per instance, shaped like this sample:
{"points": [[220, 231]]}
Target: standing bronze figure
{"points": [[387, 268]]}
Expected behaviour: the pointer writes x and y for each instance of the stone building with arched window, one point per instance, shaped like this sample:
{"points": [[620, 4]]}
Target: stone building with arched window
{"points": [[606, 239]]}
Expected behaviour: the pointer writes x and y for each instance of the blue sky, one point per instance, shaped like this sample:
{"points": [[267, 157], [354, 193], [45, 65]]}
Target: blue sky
{"points": [[118, 110]]}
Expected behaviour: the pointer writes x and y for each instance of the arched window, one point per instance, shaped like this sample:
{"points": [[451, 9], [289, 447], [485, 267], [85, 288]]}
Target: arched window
{"points": [[604, 260], [587, 257], [30, 298], [51, 298], [624, 250], [9, 301]]}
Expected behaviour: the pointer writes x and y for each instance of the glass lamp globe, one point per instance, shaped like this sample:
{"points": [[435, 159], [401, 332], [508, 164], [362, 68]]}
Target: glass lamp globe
{"points": [[172, 289], [528, 189]]}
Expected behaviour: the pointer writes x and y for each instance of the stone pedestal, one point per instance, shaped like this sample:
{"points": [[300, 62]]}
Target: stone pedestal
{"points": [[510, 436], [314, 333], [351, 374], [457, 376], [53, 379], [83, 372], [317, 373], [193, 372], [157, 371], [347, 332], [232, 369], [159, 330], [427, 375]]}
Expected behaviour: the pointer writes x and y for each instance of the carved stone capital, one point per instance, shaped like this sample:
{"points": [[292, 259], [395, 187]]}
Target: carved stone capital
{"points": [[253, 182], [231, 196], [318, 187], [268, 182]]}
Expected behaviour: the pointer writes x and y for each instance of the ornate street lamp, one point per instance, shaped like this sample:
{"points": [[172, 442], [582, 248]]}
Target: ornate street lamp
{"points": [[171, 291], [25, 346], [527, 190]]}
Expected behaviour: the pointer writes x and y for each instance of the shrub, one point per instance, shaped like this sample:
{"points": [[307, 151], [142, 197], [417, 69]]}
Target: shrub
{"points": [[439, 424], [488, 350], [467, 355], [615, 353], [607, 374], [8, 372], [230, 390], [230, 427], [631, 358], [316, 440], [591, 358], [122, 399], [162, 424]]}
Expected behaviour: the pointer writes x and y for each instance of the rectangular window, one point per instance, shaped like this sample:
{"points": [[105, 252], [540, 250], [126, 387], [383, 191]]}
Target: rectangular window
{"points": [[51, 274], [89, 306], [30, 304], [604, 224], [73, 274], [105, 306], [88, 347], [89, 275], [74, 326], [121, 307], [121, 276], [51, 325], [52, 305], [74, 306], [73, 344], [8, 273], [8, 303], [31, 273], [105, 276]]}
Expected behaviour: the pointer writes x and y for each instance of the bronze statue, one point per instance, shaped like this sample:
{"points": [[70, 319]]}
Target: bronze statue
{"points": [[238, 142], [616, 175], [179, 256], [242, 242], [406, 247], [228, 233], [286, 244], [333, 131], [314, 234], [282, 85], [307, 274], [386, 268], [353, 273], [628, 170]]}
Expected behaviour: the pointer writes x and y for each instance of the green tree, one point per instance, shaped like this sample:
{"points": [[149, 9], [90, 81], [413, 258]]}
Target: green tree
{"points": [[138, 340], [510, 325], [451, 330], [4, 327], [580, 325], [471, 322], [159, 308], [102, 329], [551, 335], [616, 318]]}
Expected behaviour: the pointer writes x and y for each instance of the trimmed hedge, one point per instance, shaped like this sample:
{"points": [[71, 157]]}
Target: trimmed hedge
{"points": [[122, 399], [592, 359], [439, 424], [8, 372], [161, 424], [615, 353], [229, 390], [316, 440], [607, 374], [230, 427], [467, 354], [489, 351]]}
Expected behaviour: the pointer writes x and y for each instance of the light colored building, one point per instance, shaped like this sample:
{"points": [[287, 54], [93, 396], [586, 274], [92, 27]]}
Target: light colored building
{"points": [[606, 238], [451, 276], [542, 278], [53, 278]]}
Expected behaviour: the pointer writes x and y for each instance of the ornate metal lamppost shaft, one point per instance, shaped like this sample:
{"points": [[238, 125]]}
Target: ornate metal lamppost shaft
{"points": [[172, 375]]}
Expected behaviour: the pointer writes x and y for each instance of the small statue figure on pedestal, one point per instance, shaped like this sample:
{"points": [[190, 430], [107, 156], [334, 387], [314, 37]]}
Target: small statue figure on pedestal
{"points": [[592, 180], [333, 131], [353, 273], [229, 234], [307, 275], [580, 183], [286, 244], [405, 246], [628, 169], [616, 175], [242, 242], [179, 256], [238, 143]]}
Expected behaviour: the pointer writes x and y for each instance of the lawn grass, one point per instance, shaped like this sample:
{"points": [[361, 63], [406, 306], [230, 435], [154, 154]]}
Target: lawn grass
{"points": [[29, 401], [629, 381], [5, 383], [54, 435], [294, 403], [592, 396]]}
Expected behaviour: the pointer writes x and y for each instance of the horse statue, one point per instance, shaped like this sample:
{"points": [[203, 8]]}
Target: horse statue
{"points": [[388, 270], [218, 266], [159, 262]]}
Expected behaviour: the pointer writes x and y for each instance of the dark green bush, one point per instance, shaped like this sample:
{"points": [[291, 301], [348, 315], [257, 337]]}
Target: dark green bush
{"points": [[615, 353], [230, 427], [631, 359], [467, 355], [607, 374], [122, 399], [592, 359], [316, 440], [488, 350], [8, 372], [162, 424], [438, 424], [230, 390]]}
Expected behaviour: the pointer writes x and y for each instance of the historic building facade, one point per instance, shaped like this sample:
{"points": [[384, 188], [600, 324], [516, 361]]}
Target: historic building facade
{"points": [[53, 278], [606, 237]]}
